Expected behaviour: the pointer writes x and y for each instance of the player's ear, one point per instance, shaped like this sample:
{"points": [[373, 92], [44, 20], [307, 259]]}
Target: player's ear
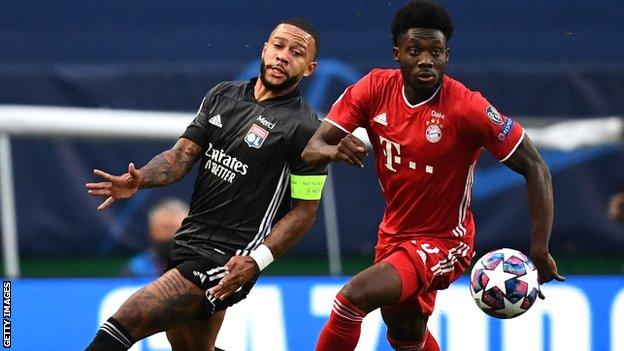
{"points": [[310, 69], [395, 52], [448, 53]]}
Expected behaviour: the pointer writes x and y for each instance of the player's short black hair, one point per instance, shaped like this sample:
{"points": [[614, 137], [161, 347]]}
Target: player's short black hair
{"points": [[308, 28], [421, 14]]}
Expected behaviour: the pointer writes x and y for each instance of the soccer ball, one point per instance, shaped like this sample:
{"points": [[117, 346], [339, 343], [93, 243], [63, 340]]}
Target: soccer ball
{"points": [[504, 283]]}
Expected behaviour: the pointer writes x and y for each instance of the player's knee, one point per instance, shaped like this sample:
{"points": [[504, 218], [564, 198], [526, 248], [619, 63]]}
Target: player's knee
{"points": [[135, 317], [129, 315], [130, 323], [355, 292]]}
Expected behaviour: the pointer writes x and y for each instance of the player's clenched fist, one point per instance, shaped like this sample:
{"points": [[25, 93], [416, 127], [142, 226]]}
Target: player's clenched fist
{"points": [[351, 150]]}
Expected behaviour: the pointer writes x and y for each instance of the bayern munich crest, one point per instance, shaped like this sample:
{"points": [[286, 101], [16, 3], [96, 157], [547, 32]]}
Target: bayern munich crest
{"points": [[434, 131], [256, 136]]}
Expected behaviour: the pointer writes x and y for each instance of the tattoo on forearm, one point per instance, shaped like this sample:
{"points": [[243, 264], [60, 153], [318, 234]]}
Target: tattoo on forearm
{"points": [[169, 166]]}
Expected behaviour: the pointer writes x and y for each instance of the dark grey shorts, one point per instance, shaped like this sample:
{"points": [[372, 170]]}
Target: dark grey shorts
{"points": [[206, 273]]}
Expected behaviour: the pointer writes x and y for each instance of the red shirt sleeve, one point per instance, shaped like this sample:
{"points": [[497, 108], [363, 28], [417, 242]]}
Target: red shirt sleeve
{"points": [[500, 134], [352, 107]]}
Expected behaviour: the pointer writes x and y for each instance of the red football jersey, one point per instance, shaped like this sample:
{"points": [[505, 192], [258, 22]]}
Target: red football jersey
{"points": [[426, 153]]}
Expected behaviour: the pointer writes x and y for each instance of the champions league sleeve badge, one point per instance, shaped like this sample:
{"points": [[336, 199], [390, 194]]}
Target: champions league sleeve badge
{"points": [[493, 115], [256, 136]]}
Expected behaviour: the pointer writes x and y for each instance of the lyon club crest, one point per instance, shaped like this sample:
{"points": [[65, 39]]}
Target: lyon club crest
{"points": [[256, 136], [434, 130]]}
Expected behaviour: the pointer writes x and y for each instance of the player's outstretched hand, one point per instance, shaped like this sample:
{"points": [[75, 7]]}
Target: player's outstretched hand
{"points": [[546, 269], [241, 270], [350, 150], [115, 187]]}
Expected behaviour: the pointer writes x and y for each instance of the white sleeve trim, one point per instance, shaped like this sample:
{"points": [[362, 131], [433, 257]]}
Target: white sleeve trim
{"points": [[514, 148], [337, 125]]}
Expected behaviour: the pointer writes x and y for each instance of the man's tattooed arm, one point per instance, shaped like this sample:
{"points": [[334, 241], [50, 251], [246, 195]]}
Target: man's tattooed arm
{"points": [[166, 168], [171, 165]]}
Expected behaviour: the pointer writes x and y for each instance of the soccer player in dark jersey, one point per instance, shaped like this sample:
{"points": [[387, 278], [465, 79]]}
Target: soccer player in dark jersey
{"points": [[427, 131], [248, 138]]}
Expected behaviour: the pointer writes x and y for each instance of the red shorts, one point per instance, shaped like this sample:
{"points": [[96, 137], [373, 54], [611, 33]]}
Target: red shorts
{"points": [[425, 266]]}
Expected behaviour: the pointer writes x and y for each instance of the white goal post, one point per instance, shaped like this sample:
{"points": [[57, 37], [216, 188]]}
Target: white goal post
{"points": [[63, 122]]}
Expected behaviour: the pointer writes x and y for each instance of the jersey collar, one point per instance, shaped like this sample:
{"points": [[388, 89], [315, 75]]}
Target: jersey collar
{"points": [[422, 102]]}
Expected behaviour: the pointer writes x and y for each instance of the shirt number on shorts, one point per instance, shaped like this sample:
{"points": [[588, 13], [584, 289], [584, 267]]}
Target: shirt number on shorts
{"points": [[428, 249]]}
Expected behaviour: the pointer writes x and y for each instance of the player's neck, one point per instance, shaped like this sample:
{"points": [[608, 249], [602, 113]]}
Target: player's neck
{"points": [[416, 96], [261, 92]]}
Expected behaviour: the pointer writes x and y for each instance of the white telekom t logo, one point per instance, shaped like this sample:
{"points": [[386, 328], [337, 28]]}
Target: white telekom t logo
{"points": [[388, 147]]}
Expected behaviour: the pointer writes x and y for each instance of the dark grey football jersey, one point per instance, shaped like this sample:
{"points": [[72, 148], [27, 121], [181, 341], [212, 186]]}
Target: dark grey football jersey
{"points": [[250, 150]]}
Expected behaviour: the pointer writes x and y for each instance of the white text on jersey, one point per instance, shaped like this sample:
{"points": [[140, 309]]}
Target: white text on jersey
{"points": [[223, 165], [265, 123]]}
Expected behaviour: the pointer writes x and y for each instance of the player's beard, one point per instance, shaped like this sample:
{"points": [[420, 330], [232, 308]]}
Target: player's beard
{"points": [[288, 83]]}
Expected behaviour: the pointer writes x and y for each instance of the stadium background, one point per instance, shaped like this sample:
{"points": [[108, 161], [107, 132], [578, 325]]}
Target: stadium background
{"points": [[540, 62]]}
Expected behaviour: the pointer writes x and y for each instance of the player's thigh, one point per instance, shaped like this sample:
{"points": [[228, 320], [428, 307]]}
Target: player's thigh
{"points": [[196, 335], [161, 305], [374, 287], [404, 322]]}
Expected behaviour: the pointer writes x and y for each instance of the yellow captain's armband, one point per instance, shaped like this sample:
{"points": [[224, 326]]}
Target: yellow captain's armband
{"points": [[307, 187]]}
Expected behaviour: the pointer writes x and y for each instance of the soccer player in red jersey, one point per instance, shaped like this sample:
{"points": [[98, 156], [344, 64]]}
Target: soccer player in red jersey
{"points": [[427, 131]]}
